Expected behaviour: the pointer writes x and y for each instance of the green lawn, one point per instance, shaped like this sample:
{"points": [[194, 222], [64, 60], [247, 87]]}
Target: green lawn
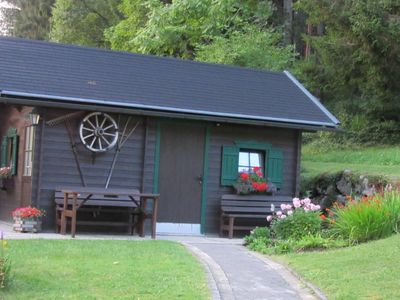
{"points": [[372, 160], [367, 271], [78, 269]]}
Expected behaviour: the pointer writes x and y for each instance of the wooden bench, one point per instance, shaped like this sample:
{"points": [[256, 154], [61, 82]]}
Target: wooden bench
{"points": [[96, 200], [247, 207]]}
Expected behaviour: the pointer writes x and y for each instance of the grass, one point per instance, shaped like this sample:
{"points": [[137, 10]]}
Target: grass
{"points": [[77, 269], [371, 160], [367, 271]]}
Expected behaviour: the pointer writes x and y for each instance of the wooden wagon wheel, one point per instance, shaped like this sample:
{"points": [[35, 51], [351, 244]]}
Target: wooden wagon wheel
{"points": [[98, 132]]}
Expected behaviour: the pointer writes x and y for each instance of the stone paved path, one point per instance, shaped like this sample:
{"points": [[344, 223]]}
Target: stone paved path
{"points": [[251, 277]]}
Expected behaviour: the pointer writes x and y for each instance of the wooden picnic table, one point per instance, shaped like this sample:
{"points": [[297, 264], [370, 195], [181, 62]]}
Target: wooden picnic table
{"points": [[110, 197]]}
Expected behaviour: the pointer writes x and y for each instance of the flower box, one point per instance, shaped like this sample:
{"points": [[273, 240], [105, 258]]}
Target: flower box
{"points": [[254, 182], [27, 219], [27, 224]]}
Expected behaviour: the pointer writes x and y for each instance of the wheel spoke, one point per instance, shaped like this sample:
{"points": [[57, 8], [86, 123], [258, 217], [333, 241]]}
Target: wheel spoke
{"points": [[88, 136], [109, 134], [108, 143], [97, 120], [88, 129], [100, 144], [91, 124], [94, 140], [108, 127], [102, 123]]}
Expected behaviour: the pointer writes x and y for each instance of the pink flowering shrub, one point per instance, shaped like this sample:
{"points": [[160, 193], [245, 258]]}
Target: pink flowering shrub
{"points": [[296, 220]]}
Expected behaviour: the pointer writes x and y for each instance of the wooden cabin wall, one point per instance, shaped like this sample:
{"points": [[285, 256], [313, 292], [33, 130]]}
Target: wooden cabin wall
{"points": [[14, 195], [285, 139], [56, 167]]}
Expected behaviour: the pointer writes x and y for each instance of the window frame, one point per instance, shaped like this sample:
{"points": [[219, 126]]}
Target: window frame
{"points": [[29, 150], [262, 154], [9, 150]]}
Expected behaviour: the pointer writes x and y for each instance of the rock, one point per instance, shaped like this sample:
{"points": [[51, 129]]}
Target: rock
{"points": [[341, 199], [344, 185]]}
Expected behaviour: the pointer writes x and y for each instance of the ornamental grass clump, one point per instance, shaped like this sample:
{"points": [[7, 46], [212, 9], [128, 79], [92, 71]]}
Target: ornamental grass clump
{"points": [[369, 218]]}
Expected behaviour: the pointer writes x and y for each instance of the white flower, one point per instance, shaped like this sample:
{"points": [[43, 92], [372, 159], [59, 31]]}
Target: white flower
{"points": [[279, 213], [290, 212], [269, 218], [272, 207], [283, 217]]}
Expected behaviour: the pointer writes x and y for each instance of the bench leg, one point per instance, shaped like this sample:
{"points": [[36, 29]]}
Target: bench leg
{"points": [[73, 217], [231, 223], [221, 226], [56, 229], [130, 222]]}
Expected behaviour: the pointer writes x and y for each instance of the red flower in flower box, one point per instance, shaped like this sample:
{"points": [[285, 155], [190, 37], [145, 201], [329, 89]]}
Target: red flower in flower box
{"points": [[27, 212]]}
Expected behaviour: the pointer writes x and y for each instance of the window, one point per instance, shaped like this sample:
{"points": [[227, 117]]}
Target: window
{"points": [[244, 155], [248, 159], [29, 140], [9, 150]]}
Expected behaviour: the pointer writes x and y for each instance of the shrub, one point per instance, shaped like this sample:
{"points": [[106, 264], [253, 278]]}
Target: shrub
{"points": [[367, 219], [259, 240], [297, 225], [5, 264], [258, 233]]}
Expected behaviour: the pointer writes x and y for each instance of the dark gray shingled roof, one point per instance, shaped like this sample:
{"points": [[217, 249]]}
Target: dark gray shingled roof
{"points": [[86, 75]]}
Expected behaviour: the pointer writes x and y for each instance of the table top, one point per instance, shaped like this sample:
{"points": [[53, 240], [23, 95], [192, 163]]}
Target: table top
{"points": [[106, 192]]}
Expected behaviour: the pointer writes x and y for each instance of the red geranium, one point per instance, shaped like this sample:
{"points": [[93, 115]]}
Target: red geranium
{"points": [[27, 212], [256, 169], [244, 176]]}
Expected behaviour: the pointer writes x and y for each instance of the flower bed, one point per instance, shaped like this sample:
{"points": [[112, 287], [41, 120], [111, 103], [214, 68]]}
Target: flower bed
{"points": [[302, 225]]}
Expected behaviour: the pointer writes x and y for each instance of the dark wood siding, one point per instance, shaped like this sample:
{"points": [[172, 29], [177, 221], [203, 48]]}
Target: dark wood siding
{"points": [[284, 139], [58, 167]]}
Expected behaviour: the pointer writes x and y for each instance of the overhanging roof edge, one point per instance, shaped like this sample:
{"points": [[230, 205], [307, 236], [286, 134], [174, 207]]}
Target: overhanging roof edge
{"points": [[312, 98], [161, 108]]}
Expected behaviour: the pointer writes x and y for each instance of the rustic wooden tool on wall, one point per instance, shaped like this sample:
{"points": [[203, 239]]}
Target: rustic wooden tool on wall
{"points": [[98, 133], [66, 120], [125, 135]]}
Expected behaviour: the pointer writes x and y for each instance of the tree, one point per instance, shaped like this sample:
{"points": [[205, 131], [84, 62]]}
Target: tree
{"points": [[224, 31], [83, 22], [27, 19], [251, 47], [356, 62]]}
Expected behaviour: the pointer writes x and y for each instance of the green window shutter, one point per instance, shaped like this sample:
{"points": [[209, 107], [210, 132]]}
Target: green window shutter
{"points": [[275, 166], [230, 163], [14, 154], [4, 147]]}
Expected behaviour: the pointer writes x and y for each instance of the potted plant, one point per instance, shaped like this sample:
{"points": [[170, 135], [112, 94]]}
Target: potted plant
{"points": [[28, 219], [254, 182], [5, 172]]}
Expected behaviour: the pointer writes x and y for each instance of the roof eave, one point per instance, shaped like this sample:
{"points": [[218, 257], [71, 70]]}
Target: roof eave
{"points": [[30, 99]]}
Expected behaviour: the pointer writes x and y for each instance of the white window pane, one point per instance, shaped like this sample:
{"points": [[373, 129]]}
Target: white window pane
{"points": [[255, 159], [243, 159]]}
